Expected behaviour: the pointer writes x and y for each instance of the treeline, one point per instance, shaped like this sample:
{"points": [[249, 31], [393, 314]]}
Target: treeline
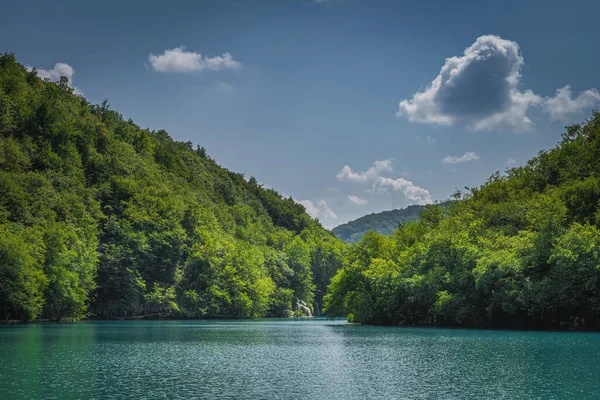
{"points": [[385, 222], [522, 250], [101, 217]]}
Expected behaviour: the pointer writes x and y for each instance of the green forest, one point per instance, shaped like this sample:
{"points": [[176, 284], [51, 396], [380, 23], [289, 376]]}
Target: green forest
{"points": [[385, 222], [102, 218], [520, 251]]}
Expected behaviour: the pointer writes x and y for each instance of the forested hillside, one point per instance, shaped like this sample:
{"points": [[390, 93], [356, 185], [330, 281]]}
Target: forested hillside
{"points": [[522, 250], [385, 222], [101, 217]]}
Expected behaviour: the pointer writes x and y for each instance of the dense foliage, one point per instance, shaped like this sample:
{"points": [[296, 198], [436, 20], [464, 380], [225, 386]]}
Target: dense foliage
{"points": [[522, 250], [99, 216], [385, 222]]}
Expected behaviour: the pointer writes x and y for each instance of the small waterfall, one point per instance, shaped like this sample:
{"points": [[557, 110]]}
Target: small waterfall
{"points": [[302, 305]]}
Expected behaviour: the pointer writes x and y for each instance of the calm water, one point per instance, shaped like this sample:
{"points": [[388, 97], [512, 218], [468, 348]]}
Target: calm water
{"points": [[273, 359]]}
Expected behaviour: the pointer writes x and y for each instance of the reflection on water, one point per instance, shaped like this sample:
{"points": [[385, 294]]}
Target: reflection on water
{"points": [[275, 359]]}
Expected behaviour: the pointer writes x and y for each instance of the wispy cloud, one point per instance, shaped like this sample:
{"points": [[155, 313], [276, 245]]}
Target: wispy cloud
{"points": [[382, 185], [428, 139], [468, 156], [224, 87], [563, 104], [413, 193], [347, 174], [509, 162], [180, 60], [319, 210], [357, 200]]}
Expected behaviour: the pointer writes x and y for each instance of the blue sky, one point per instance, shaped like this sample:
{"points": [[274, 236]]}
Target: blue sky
{"points": [[350, 107]]}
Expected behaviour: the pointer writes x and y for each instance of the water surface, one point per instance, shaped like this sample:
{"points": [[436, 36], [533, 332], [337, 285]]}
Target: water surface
{"points": [[299, 359]]}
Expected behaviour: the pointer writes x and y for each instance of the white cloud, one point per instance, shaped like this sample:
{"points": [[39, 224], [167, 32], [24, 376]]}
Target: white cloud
{"points": [[357, 200], [320, 210], [53, 75], [479, 89], [563, 104], [332, 189], [179, 60], [509, 162], [414, 193], [468, 156], [347, 174], [381, 185]]}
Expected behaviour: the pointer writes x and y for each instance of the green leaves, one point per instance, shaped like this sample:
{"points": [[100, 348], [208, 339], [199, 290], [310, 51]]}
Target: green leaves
{"points": [[522, 250], [100, 217]]}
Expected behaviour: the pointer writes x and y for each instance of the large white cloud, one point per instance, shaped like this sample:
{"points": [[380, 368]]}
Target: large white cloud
{"points": [[347, 174], [480, 89], [180, 60], [414, 193], [468, 156], [319, 210], [54, 74]]}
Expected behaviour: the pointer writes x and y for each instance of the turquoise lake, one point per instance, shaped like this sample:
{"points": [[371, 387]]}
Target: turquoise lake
{"points": [[294, 359]]}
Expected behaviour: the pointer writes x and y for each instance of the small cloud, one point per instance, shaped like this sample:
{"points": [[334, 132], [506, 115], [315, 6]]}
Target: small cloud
{"points": [[347, 174], [428, 139], [509, 162], [357, 200], [320, 210], [179, 60], [468, 156], [53, 75], [564, 104], [332, 189], [224, 87], [413, 193]]}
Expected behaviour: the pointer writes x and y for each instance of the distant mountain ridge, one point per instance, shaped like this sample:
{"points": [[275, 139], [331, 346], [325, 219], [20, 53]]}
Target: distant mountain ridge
{"points": [[384, 222]]}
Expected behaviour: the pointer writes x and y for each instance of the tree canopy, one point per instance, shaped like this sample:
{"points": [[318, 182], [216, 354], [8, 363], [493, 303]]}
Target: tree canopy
{"points": [[522, 250], [99, 216]]}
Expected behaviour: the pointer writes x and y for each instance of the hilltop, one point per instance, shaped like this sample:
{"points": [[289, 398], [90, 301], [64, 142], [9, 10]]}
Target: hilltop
{"points": [[385, 223]]}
